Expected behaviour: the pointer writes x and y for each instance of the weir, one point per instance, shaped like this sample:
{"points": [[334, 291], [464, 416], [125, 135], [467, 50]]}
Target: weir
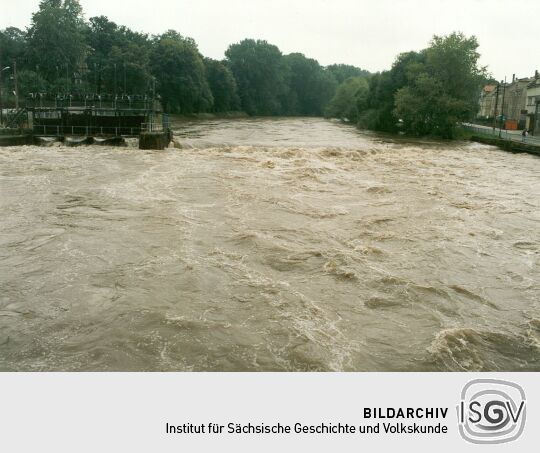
{"points": [[88, 119]]}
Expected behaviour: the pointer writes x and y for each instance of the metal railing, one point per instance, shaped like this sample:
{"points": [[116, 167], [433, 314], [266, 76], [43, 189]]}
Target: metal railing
{"points": [[15, 118], [57, 131], [94, 101], [503, 134], [152, 127]]}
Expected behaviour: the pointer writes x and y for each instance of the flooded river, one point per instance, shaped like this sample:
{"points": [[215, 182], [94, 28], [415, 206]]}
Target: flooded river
{"points": [[270, 244]]}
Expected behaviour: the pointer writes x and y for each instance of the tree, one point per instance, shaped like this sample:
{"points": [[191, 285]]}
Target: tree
{"points": [[378, 113], [56, 41], [30, 82], [342, 72], [443, 89], [378, 110], [310, 87], [260, 75], [350, 95], [180, 74], [223, 86], [119, 61], [61, 52], [12, 46], [101, 35]]}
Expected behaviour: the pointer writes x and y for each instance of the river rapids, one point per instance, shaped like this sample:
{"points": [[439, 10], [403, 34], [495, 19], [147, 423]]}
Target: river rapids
{"points": [[270, 245]]}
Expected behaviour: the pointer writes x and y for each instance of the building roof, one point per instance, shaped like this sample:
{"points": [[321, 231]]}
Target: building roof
{"points": [[534, 83]]}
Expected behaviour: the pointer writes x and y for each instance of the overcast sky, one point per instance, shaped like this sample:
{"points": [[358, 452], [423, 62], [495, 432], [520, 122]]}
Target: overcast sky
{"points": [[365, 33]]}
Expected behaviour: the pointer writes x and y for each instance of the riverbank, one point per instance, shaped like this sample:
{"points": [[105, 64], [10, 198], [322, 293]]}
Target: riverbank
{"points": [[512, 143], [507, 145]]}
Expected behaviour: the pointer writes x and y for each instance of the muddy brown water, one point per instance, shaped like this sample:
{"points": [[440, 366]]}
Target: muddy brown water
{"points": [[270, 244]]}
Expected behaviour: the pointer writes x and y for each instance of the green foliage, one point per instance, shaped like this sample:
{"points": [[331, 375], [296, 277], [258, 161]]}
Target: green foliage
{"points": [[379, 108], [260, 74], [428, 92], [120, 58], [424, 93], [378, 112], [222, 85], [56, 43], [12, 46], [31, 82], [342, 72], [63, 53], [350, 97], [310, 86], [441, 90], [180, 74]]}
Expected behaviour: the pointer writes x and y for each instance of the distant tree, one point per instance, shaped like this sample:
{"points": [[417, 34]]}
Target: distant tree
{"points": [[342, 72], [310, 87], [101, 35], [180, 73], [12, 46], [120, 58], [260, 74], [223, 86], [56, 41], [443, 89], [31, 82], [378, 112], [127, 68], [12, 49], [349, 96]]}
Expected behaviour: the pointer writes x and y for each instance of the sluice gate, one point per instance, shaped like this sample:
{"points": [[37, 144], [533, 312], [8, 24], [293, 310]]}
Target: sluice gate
{"points": [[94, 118]]}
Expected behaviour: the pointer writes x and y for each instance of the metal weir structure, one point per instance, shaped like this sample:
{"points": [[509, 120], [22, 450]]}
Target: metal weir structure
{"points": [[91, 118]]}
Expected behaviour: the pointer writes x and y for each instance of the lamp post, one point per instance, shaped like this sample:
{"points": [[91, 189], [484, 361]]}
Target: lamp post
{"points": [[1, 106], [16, 85], [502, 109]]}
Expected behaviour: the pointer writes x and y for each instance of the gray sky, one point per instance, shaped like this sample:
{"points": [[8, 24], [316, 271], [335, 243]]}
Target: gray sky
{"points": [[365, 33]]}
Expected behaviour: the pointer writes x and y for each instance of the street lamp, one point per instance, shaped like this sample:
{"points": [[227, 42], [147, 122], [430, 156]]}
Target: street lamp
{"points": [[1, 107]]}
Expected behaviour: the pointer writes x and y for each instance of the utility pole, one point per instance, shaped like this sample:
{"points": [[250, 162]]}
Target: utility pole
{"points": [[536, 124], [495, 111], [502, 108], [125, 92], [99, 79], [115, 80], [16, 85]]}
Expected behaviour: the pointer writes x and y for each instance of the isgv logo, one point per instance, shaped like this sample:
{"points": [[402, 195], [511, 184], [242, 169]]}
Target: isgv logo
{"points": [[491, 411]]}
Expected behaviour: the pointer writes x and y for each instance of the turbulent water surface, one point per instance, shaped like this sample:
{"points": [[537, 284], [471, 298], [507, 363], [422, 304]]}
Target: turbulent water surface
{"points": [[270, 244]]}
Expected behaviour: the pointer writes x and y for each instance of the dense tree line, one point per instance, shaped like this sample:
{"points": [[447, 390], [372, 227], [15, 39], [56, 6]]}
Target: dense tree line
{"points": [[424, 93], [62, 53]]}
